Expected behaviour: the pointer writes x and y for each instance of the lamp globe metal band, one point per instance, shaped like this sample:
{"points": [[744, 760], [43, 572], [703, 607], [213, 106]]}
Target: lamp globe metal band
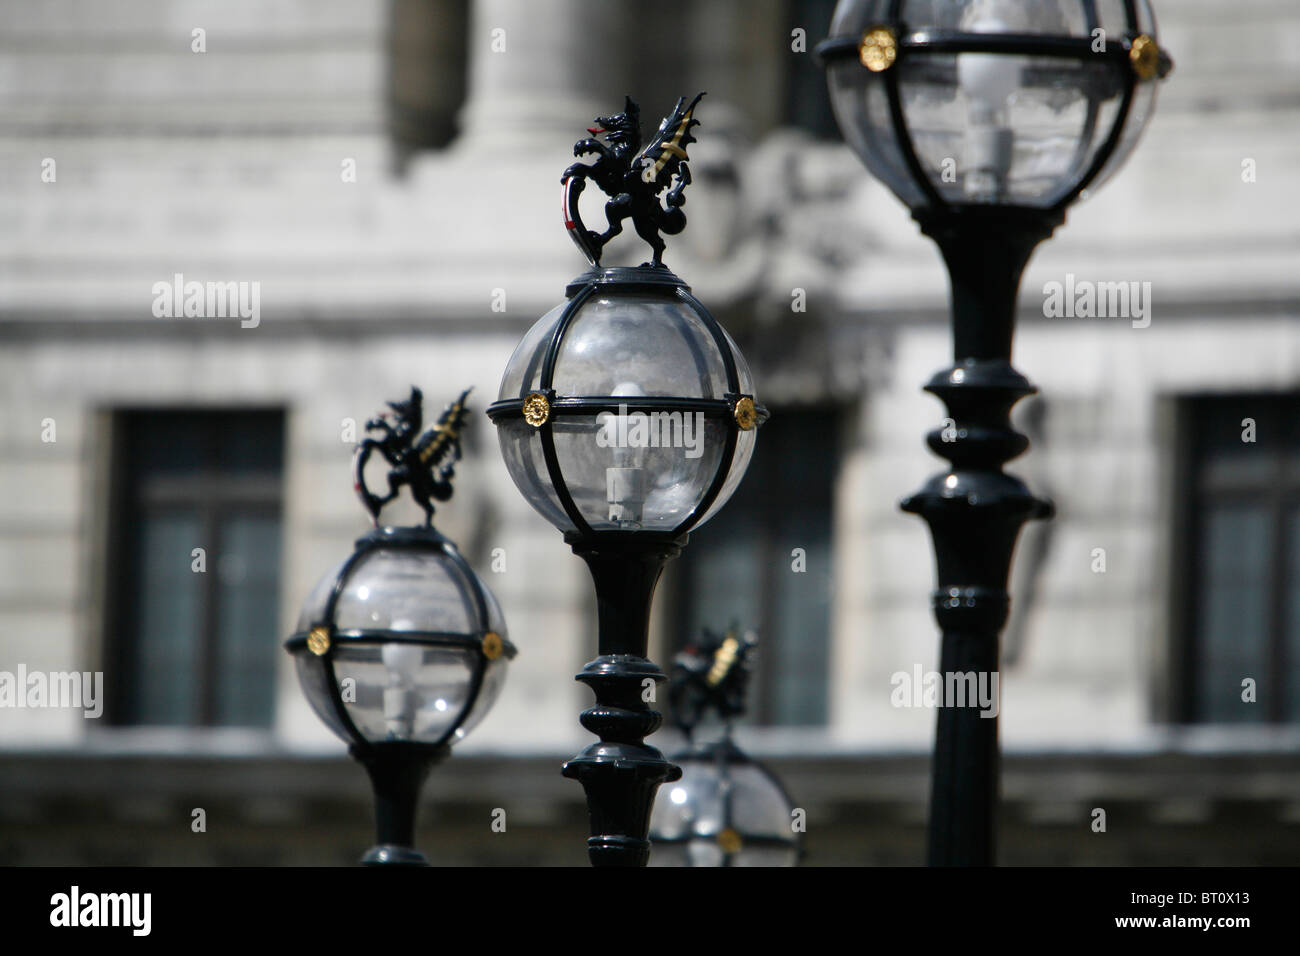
{"points": [[401, 650], [626, 418], [988, 118]]}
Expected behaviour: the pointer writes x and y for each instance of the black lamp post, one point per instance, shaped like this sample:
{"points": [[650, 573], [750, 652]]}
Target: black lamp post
{"points": [[728, 809], [988, 118], [626, 418], [401, 650]]}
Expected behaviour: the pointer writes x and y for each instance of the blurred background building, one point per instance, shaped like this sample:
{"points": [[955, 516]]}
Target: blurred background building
{"points": [[388, 175]]}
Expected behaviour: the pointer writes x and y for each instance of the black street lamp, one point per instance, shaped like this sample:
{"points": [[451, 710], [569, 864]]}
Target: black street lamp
{"points": [[988, 118], [401, 650], [626, 418], [728, 809]]}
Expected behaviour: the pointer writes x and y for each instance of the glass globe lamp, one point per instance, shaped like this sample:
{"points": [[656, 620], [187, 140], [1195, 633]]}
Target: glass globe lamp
{"points": [[401, 650], [626, 418], [1007, 102], [627, 409], [726, 810], [988, 118], [401, 643]]}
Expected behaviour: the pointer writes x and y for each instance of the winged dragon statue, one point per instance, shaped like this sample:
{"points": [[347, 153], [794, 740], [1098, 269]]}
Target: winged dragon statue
{"points": [[633, 177], [423, 460]]}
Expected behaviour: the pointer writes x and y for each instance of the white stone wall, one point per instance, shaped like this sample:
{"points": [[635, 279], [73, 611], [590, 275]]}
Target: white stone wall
{"points": [[226, 166]]}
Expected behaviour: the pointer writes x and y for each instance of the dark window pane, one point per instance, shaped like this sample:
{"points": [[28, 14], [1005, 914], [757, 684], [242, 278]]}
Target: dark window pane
{"points": [[797, 681], [1291, 651], [252, 448], [725, 583], [1242, 573], [1234, 611], [169, 596], [196, 647], [740, 568], [166, 444], [248, 580]]}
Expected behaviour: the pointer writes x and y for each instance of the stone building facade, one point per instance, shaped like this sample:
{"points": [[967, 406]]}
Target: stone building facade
{"points": [[388, 176]]}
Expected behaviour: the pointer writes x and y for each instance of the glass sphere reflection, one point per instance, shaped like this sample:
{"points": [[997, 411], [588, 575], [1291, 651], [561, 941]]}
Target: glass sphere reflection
{"points": [[399, 651], [726, 810], [635, 454], [1005, 128]]}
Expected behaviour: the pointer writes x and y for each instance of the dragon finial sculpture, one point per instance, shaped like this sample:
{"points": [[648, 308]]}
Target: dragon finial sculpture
{"points": [[424, 462], [633, 178], [711, 674]]}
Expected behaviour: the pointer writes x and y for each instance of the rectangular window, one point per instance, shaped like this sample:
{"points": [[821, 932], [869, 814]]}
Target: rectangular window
{"points": [[764, 563], [194, 568], [1240, 554]]}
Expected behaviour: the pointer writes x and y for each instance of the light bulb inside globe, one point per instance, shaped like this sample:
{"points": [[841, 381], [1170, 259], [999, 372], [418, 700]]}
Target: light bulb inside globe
{"points": [[402, 662], [988, 81], [625, 478]]}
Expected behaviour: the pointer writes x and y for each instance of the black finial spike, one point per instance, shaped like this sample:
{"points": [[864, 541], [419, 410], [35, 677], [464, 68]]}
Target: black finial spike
{"points": [[423, 462], [633, 178], [711, 674]]}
